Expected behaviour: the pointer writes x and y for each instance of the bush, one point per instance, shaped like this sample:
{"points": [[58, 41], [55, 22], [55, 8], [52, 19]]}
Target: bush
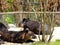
{"points": [[10, 19]]}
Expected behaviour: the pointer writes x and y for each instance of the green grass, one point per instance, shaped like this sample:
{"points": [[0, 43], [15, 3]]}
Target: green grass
{"points": [[57, 42]]}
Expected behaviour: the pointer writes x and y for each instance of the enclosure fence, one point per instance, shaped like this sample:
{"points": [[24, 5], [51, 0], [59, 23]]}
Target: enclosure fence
{"points": [[17, 12]]}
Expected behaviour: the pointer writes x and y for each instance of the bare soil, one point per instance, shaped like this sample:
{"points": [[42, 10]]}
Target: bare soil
{"points": [[8, 43]]}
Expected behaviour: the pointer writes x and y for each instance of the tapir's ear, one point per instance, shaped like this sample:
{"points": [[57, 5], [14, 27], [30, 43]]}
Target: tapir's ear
{"points": [[28, 18], [24, 19]]}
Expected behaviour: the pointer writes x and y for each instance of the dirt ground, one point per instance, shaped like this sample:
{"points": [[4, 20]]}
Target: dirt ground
{"points": [[8, 43]]}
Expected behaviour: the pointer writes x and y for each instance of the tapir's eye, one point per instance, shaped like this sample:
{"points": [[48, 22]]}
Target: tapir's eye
{"points": [[26, 31]]}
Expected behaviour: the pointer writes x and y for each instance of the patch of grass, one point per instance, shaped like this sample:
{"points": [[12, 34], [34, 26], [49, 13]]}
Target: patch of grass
{"points": [[39, 43], [57, 42]]}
